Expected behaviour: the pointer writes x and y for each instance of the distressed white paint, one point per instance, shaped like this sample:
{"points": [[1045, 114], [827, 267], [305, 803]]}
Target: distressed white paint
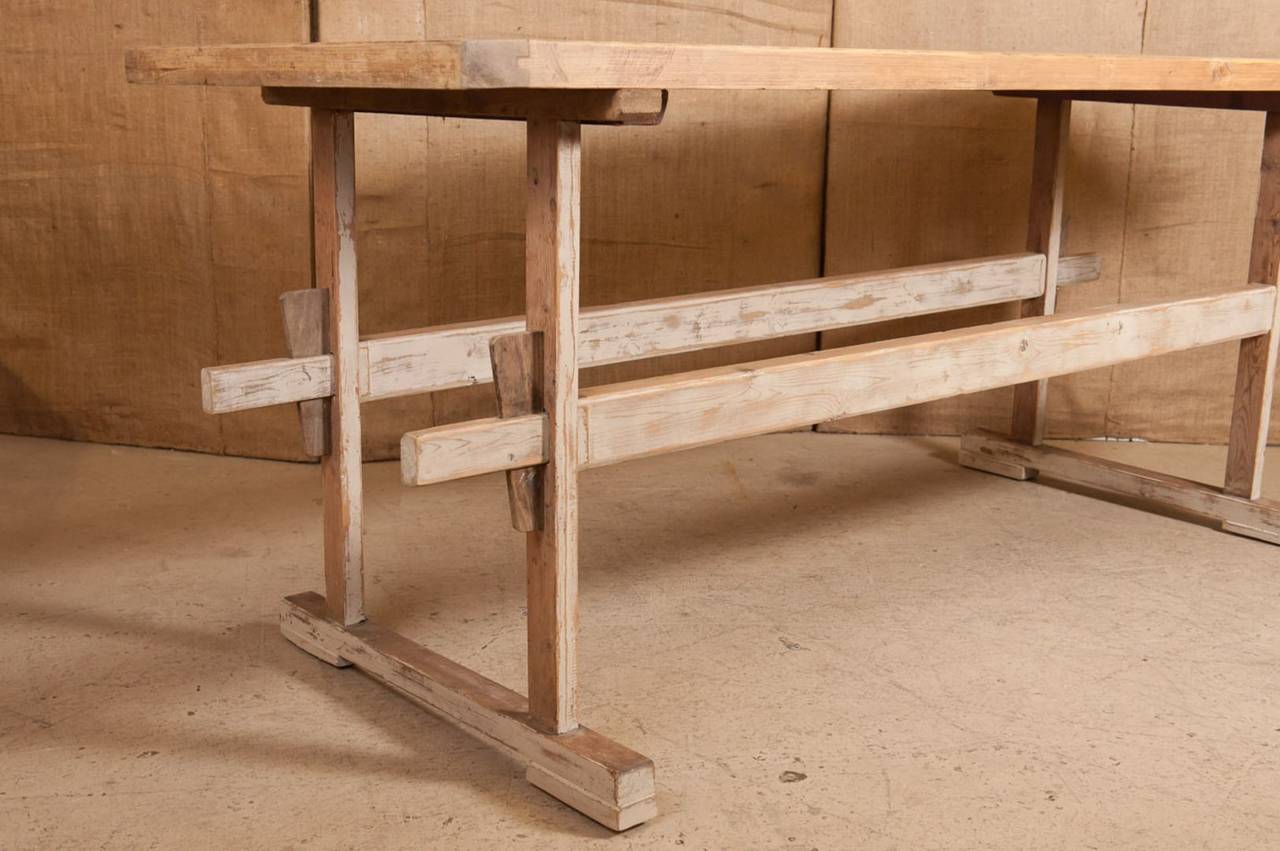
{"points": [[444, 357]]}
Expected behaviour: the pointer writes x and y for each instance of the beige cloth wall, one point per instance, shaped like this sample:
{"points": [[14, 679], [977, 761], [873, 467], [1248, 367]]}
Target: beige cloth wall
{"points": [[145, 232]]}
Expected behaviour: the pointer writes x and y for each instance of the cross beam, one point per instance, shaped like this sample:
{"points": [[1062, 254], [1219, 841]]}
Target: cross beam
{"points": [[608, 782], [449, 356], [669, 413]]}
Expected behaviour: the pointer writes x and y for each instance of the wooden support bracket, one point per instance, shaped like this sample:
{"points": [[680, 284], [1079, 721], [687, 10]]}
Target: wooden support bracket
{"points": [[593, 774], [306, 331], [1253, 518], [517, 370], [589, 106]]}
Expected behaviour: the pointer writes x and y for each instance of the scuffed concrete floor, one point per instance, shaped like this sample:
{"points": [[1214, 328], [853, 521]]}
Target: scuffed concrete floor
{"points": [[823, 641]]}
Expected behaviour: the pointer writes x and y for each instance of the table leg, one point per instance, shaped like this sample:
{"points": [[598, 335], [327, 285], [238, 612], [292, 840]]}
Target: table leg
{"points": [[599, 777], [1256, 371], [1044, 236], [334, 205], [551, 305]]}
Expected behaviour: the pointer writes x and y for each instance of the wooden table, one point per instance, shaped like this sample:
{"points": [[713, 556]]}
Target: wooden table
{"points": [[548, 430]]}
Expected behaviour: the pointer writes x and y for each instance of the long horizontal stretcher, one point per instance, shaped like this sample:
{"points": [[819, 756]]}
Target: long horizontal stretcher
{"points": [[636, 419], [547, 430], [450, 356]]}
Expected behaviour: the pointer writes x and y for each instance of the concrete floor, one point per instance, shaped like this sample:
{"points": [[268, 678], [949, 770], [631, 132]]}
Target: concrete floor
{"points": [[822, 641]]}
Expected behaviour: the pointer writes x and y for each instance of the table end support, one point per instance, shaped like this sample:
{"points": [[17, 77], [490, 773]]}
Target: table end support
{"points": [[600, 778], [1252, 518]]}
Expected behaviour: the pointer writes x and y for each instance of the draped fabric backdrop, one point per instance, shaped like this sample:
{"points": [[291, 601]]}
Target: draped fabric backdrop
{"points": [[146, 232]]}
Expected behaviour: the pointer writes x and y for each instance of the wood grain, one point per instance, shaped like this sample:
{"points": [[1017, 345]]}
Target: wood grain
{"points": [[472, 448], [451, 356], [517, 372], [306, 331], [596, 776], [552, 244], [334, 197], [541, 64], [640, 418], [264, 383], [1256, 364], [1044, 236], [666, 414], [387, 64]]}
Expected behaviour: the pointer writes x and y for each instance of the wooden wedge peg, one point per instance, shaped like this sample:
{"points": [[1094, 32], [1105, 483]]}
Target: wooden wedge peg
{"points": [[517, 360], [306, 325]]}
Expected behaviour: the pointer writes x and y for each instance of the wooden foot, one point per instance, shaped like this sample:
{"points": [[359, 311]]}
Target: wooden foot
{"points": [[598, 777], [1253, 518], [1266, 536], [304, 640], [988, 464]]}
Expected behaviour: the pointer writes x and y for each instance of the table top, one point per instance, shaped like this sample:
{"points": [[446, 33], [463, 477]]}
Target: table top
{"points": [[540, 64]]}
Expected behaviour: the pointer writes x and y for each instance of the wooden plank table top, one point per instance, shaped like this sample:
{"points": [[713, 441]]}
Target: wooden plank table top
{"points": [[542, 64]]}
